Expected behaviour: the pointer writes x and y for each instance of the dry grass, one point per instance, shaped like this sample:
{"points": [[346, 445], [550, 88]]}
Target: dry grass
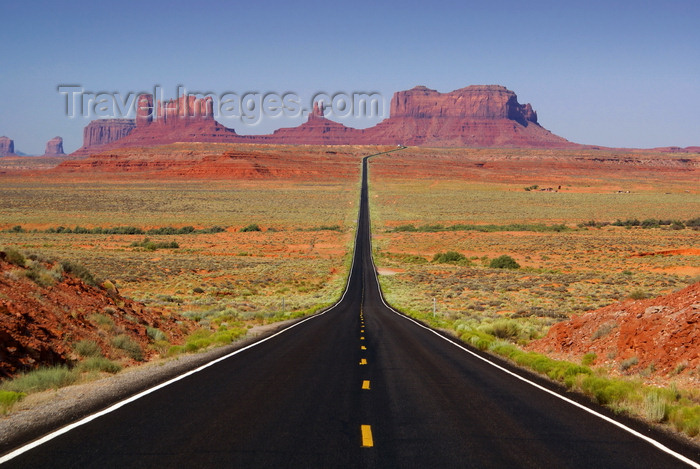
{"points": [[295, 259], [562, 273]]}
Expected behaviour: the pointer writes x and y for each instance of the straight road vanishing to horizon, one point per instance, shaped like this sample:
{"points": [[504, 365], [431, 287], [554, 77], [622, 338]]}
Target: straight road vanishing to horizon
{"points": [[358, 385]]}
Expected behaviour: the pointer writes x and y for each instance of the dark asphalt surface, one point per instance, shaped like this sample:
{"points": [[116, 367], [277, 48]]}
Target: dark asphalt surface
{"points": [[297, 401]]}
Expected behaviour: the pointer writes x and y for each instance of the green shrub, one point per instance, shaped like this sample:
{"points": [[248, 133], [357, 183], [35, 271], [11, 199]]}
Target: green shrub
{"points": [[149, 245], [603, 330], [161, 346], [87, 348], [15, 257], [449, 257], [99, 364], [42, 379], [628, 363], [655, 407], [155, 333], [128, 345], [588, 359], [685, 419], [326, 228], [79, 271], [504, 262], [607, 391], [637, 294], [503, 329], [40, 275], [102, 321], [176, 350], [8, 399], [251, 227], [198, 339]]}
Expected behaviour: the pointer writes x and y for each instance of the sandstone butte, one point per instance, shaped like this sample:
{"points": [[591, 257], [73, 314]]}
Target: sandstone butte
{"points": [[54, 147], [7, 146], [480, 116]]}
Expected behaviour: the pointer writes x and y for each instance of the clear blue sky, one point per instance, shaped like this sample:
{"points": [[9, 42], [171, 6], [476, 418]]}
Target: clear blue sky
{"points": [[614, 73]]}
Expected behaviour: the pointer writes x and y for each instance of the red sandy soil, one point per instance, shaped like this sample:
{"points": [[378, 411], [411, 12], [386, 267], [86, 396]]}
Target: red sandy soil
{"points": [[39, 324], [663, 332], [224, 161], [671, 252], [528, 166]]}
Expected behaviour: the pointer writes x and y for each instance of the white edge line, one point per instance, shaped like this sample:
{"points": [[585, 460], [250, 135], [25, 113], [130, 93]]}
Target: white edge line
{"points": [[56, 433], [655, 443]]}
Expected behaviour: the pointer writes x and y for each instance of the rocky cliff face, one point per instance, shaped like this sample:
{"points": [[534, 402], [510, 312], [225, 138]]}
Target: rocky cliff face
{"points": [[144, 110], [484, 116], [54, 147], [185, 108], [187, 119], [472, 102], [99, 133], [7, 146], [481, 115]]}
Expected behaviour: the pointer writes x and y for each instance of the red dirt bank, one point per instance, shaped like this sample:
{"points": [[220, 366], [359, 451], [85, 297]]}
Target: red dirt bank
{"points": [[39, 324], [662, 333]]}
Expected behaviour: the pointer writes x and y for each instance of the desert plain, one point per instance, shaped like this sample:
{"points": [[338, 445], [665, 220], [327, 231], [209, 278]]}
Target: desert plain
{"points": [[219, 238]]}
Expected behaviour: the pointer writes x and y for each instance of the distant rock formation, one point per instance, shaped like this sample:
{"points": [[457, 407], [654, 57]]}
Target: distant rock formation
{"points": [[54, 147], [102, 132], [479, 115], [317, 130], [7, 146], [144, 110], [472, 102], [187, 119]]}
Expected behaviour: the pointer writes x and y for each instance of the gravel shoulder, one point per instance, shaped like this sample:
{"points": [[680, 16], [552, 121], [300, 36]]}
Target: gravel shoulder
{"points": [[41, 413]]}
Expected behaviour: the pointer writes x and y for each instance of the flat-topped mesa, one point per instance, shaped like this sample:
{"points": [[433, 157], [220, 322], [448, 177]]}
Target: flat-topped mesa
{"points": [[471, 102], [7, 146], [103, 131], [54, 147], [475, 116]]}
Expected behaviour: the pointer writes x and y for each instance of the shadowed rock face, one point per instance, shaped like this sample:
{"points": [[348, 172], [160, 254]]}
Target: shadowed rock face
{"points": [[7, 146], [101, 132], [54, 147], [485, 116], [472, 102]]}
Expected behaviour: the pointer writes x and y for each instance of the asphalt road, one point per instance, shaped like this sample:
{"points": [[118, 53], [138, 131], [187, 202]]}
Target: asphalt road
{"points": [[357, 386]]}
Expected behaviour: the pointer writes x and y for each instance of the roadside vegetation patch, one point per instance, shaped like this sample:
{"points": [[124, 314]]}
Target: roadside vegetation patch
{"points": [[575, 240]]}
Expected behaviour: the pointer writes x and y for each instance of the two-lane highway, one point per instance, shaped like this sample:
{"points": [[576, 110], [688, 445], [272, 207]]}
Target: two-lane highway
{"points": [[356, 386]]}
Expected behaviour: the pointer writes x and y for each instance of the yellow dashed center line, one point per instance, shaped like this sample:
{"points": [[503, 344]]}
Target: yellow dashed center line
{"points": [[362, 338], [362, 347], [365, 384], [366, 436], [363, 361]]}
